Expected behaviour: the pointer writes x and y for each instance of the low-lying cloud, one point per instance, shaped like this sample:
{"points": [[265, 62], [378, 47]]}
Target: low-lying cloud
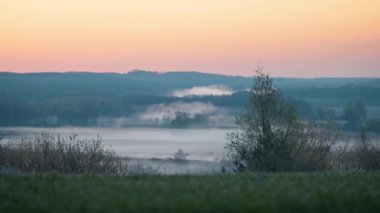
{"points": [[164, 113], [216, 90], [161, 112]]}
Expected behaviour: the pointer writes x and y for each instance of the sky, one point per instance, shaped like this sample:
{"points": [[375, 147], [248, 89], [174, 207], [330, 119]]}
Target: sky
{"points": [[297, 38]]}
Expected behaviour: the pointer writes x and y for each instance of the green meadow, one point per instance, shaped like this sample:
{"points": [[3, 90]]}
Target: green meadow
{"points": [[247, 192]]}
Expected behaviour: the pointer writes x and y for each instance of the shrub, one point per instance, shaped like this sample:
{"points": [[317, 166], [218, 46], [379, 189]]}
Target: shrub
{"points": [[180, 155], [48, 153], [321, 148], [367, 153]]}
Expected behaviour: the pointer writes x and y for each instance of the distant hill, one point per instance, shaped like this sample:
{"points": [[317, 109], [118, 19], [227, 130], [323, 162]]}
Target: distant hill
{"points": [[188, 79], [76, 84], [41, 85], [80, 98]]}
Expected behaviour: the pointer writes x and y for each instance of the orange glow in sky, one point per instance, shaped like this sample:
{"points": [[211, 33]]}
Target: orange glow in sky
{"points": [[298, 38]]}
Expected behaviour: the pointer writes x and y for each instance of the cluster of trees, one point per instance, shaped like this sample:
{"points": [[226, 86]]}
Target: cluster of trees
{"points": [[183, 119], [56, 99], [354, 114], [273, 138], [357, 119], [368, 94], [85, 111]]}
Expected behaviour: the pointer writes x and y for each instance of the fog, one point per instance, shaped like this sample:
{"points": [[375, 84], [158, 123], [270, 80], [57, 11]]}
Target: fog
{"points": [[162, 143], [160, 112], [216, 90]]}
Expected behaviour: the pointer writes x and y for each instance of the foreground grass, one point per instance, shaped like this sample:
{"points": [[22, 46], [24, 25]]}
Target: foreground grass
{"points": [[289, 192]]}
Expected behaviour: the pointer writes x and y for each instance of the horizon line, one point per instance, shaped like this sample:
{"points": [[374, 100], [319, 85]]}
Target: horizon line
{"points": [[177, 71]]}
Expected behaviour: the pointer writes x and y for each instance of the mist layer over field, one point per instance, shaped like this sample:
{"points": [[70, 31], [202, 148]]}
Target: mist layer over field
{"points": [[201, 144]]}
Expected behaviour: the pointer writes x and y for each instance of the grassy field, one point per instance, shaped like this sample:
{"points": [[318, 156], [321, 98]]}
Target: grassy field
{"points": [[288, 192]]}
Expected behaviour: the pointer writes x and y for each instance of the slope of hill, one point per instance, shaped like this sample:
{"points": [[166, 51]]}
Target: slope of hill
{"points": [[80, 98]]}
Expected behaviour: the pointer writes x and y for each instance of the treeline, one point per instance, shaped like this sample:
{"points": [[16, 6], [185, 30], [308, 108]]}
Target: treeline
{"points": [[54, 99], [84, 111], [48, 86], [41, 86], [338, 95]]}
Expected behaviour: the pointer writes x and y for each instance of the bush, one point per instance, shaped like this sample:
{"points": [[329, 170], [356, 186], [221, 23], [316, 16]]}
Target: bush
{"points": [[321, 148], [367, 154], [180, 155], [48, 153]]}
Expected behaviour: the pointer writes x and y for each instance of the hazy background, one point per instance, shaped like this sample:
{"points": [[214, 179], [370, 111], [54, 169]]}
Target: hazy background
{"points": [[78, 66], [175, 99], [149, 116]]}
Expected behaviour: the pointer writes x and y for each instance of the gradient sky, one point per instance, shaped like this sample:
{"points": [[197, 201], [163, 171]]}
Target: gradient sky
{"points": [[297, 38]]}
